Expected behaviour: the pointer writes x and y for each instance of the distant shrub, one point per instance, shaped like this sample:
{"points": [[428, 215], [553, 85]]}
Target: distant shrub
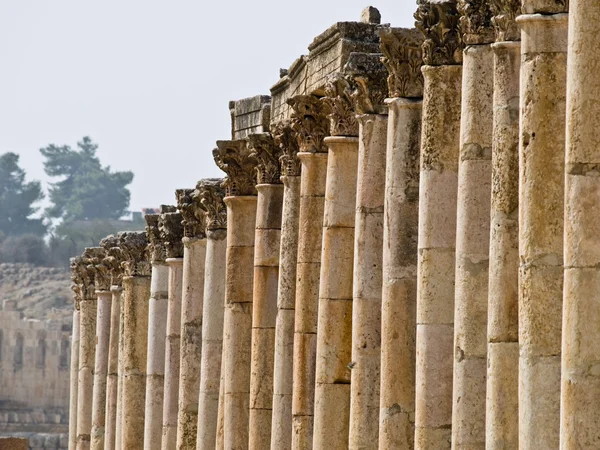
{"points": [[25, 248]]}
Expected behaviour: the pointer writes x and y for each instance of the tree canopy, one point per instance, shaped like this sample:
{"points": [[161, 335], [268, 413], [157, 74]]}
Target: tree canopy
{"points": [[86, 190], [18, 199]]}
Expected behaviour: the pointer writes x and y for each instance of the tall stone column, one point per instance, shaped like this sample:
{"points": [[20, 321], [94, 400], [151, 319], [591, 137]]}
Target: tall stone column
{"points": [[171, 231], [102, 279], [136, 293], [544, 28], [283, 373], [580, 417], [157, 330], [440, 144], [334, 335], [194, 257], [87, 347], [309, 122], [233, 157], [267, 242], [75, 341], [120, 367], [370, 91], [502, 404], [113, 260], [403, 58], [473, 227], [209, 197]]}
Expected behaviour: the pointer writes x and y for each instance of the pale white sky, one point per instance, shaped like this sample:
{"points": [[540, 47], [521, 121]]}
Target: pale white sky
{"points": [[149, 80]]}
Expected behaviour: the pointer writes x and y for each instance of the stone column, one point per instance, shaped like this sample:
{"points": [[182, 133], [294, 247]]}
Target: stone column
{"points": [[502, 404], [75, 340], [440, 143], [580, 417], [194, 257], [157, 330], [209, 197], [87, 347], [233, 157], [473, 227], [113, 260], [309, 122], [171, 231], [267, 242], [136, 293], [104, 304], [542, 172], [281, 425], [369, 77], [334, 336], [403, 58], [121, 345]]}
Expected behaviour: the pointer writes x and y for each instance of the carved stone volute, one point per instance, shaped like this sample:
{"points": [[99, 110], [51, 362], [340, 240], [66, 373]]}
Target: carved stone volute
{"points": [[438, 21], [136, 257], [266, 153], [504, 17], [476, 21], [403, 58], [87, 272], [368, 78], [338, 97], [285, 138], [102, 278], [113, 259], [233, 158], [194, 226], [76, 280], [156, 246], [170, 225], [209, 194], [310, 122]]}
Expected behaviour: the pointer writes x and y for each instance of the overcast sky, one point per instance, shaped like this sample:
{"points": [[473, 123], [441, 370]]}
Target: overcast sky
{"points": [[149, 80]]}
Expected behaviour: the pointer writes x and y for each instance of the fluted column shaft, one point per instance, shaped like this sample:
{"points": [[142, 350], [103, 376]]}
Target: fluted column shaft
{"points": [[440, 143], [73, 388], [212, 338], [310, 232], [112, 378], [542, 164], [367, 285], [172, 354], [281, 431], [85, 385], [334, 335], [580, 415], [155, 377], [502, 418], [241, 221], [101, 369]]}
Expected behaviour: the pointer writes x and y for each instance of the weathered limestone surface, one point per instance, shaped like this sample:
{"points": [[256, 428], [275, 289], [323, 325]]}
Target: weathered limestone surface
{"points": [[541, 163], [210, 195], [75, 339], [580, 416], [502, 404]]}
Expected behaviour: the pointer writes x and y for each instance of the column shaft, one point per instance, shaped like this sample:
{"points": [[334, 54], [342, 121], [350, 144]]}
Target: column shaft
{"points": [[120, 374], [73, 388], [112, 378]]}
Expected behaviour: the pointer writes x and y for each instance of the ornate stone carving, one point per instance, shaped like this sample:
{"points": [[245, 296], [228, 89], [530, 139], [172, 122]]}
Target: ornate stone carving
{"points": [[96, 257], [504, 17], [76, 279], [87, 273], [403, 58], [438, 21], [156, 246], [266, 153], [368, 78], [170, 225], [210, 193], [310, 122], [194, 221], [134, 248], [338, 97], [476, 21], [113, 259], [233, 158], [285, 138]]}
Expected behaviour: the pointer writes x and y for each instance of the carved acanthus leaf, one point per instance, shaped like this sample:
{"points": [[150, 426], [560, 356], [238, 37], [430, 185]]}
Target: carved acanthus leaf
{"points": [[439, 24], [233, 158], [403, 58], [134, 247], [475, 21], [266, 153], [113, 259], [171, 232], [88, 273], [96, 256], [209, 194], [368, 78], [504, 17], [194, 222], [310, 122], [156, 246], [338, 97], [77, 267], [285, 138]]}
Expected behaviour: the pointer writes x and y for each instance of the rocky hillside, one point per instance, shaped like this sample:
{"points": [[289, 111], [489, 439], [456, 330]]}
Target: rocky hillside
{"points": [[39, 292]]}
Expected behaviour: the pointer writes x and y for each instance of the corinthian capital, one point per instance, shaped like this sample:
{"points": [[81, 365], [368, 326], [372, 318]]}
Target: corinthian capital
{"points": [[368, 78], [134, 247], [476, 21], [403, 58], [96, 256], [504, 14], [338, 97], [194, 221], [310, 122], [438, 22], [171, 233], [209, 194], [285, 138], [156, 246], [266, 153], [233, 158], [87, 272], [113, 259], [76, 264]]}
